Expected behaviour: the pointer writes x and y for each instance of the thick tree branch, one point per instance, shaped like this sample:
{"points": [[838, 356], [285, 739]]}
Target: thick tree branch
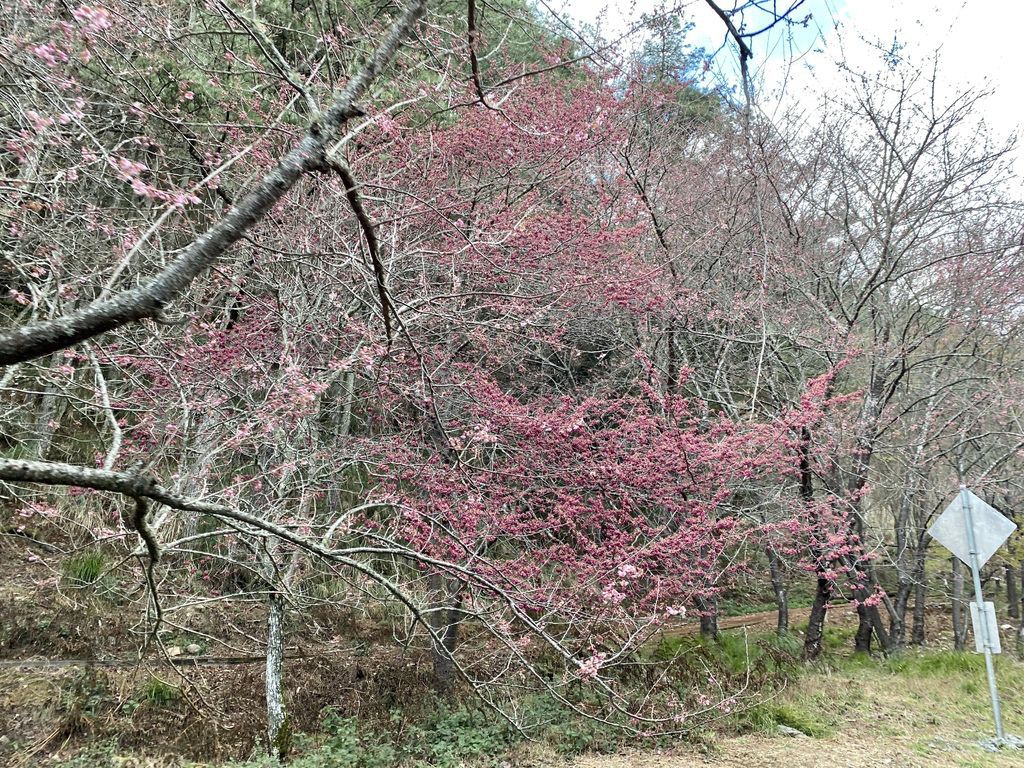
{"points": [[149, 300], [746, 53]]}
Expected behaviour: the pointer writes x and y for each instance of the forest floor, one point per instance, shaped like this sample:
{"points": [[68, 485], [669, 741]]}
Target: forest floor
{"points": [[928, 710], [57, 698], [923, 709]]}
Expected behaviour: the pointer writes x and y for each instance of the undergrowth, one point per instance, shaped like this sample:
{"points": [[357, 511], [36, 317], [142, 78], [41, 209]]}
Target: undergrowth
{"points": [[84, 570], [772, 691], [448, 735]]}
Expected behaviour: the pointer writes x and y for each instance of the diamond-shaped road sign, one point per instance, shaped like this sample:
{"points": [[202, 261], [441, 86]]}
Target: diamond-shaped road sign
{"points": [[991, 529]]}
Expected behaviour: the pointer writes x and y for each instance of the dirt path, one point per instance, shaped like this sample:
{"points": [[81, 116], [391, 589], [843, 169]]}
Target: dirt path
{"points": [[763, 619], [781, 752]]}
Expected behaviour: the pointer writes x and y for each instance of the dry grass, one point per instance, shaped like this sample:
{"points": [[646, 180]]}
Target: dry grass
{"points": [[924, 710]]}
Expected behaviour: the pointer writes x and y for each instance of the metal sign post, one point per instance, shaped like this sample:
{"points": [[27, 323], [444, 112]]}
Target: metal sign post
{"points": [[973, 531], [981, 627]]}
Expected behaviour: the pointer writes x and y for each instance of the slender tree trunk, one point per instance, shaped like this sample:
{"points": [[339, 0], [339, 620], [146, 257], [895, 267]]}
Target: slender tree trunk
{"points": [[779, 588], [904, 565], [1020, 630], [917, 634], [447, 618], [870, 620], [815, 637], [898, 623], [959, 617], [814, 640], [1012, 595], [47, 415], [278, 733], [920, 595], [708, 608]]}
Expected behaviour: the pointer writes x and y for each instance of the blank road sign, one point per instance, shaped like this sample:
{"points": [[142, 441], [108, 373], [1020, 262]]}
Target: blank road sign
{"points": [[991, 529], [990, 623]]}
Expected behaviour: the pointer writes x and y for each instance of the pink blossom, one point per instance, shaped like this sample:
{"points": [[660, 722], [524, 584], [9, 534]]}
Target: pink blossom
{"points": [[50, 54], [39, 122], [612, 596], [590, 667], [628, 571], [129, 168], [94, 19]]}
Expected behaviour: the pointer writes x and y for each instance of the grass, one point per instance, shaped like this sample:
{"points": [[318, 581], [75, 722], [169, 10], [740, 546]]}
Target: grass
{"points": [[767, 717], [159, 693], [84, 570], [764, 657]]}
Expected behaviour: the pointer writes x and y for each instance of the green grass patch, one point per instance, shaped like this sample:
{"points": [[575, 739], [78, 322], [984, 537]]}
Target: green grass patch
{"points": [[765, 658], [767, 717], [84, 570], [159, 693]]}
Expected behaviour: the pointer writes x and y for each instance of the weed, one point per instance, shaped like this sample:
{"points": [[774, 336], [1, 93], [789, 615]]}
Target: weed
{"points": [[348, 744], [84, 570], [758, 658], [81, 702], [451, 737], [768, 716], [159, 693]]}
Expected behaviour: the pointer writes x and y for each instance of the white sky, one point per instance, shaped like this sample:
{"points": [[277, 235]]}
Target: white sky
{"points": [[980, 45]]}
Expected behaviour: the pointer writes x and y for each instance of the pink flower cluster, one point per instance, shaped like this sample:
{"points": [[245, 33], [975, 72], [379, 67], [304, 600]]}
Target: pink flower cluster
{"points": [[130, 171], [92, 18], [590, 668]]}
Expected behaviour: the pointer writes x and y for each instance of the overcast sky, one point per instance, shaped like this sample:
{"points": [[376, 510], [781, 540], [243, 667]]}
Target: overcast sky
{"points": [[980, 45]]}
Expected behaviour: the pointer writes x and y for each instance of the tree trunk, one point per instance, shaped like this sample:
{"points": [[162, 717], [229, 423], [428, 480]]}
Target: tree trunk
{"points": [[904, 566], [814, 639], [278, 732], [869, 618], [959, 607], [446, 621], [862, 640], [917, 634], [779, 588], [898, 623], [47, 414], [920, 595], [1020, 630], [870, 621], [708, 616], [1012, 595]]}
